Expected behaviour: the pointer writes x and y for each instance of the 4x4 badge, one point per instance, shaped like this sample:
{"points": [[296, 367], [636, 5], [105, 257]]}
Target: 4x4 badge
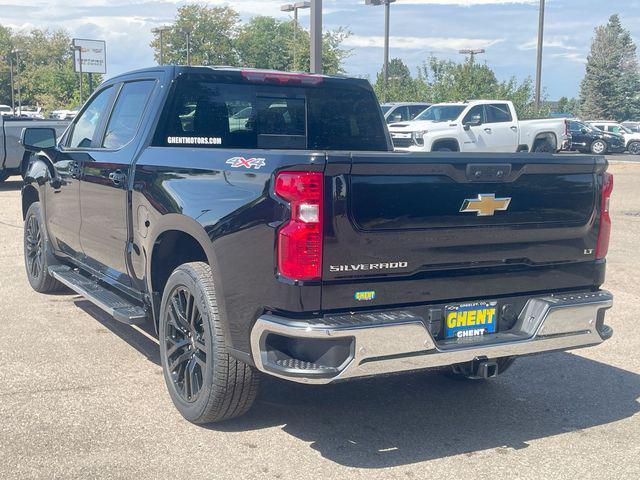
{"points": [[485, 205], [255, 163]]}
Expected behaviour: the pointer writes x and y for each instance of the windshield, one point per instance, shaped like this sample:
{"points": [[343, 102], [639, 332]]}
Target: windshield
{"points": [[441, 113], [385, 108]]}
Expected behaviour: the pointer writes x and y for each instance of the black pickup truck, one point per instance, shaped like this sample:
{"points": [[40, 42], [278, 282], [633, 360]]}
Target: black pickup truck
{"points": [[262, 222]]}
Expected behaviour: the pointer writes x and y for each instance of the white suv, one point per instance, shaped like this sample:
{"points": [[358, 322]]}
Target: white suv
{"points": [[632, 139]]}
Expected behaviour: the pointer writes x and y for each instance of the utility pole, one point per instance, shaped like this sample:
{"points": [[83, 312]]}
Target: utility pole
{"points": [[160, 31], [316, 36], [539, 59], [294, 7], [472, 52], [387, 28], [9, 58], [17, 52], [187, 32]]}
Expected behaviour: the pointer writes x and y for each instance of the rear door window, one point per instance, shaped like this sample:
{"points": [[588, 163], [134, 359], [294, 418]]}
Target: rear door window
{"points": [[127, 113], [498, 113]]}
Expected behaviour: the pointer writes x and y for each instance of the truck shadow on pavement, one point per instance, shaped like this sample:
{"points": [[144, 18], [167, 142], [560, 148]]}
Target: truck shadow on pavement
{"points": [[383, 422], [404, 419]]}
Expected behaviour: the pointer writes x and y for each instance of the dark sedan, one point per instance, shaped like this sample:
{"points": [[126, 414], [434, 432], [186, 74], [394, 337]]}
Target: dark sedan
{"points": [[588, 139]]}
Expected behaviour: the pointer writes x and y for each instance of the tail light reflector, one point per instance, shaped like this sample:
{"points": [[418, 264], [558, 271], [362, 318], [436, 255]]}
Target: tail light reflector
{"points": [[605, 218], [300, 239]]}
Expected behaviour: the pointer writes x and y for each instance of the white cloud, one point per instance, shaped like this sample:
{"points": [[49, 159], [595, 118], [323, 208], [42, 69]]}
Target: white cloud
{"points": [[467, 3], [420, 43], [550, 41]]}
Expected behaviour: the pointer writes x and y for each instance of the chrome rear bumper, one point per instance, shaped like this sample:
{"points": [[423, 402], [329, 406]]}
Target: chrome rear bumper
{"points": [[387, 342]]}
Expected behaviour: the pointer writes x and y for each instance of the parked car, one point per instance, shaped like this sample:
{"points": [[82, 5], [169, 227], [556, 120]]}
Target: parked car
{"points": [[633, 126], [13, 160], [631, 138], [300, 245], [30, 112], [478, 126], [64, 114], [5, 110], [403, 111], [586, 138]]}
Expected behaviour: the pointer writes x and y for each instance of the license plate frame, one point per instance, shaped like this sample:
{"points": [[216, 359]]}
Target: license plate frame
{"points": [[472, 319]]}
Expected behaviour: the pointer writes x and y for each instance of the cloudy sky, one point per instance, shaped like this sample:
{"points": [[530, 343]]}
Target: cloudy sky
{"points": [[507, 29]]}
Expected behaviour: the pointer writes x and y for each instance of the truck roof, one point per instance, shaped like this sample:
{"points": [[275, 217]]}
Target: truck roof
{"points": [[176, 70]]}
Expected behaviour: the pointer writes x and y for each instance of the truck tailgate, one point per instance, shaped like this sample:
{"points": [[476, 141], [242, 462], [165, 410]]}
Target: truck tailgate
{"points": [[419, 228]]}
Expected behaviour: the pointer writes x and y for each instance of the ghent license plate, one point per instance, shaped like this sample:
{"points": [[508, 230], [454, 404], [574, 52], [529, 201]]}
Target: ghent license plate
{"points": [[470, 319]]}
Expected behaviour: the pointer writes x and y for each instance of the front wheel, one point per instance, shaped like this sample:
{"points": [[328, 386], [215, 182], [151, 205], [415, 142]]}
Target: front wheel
{"points": [[37, 253], [205, 383], [634, 148], [599, 147]]}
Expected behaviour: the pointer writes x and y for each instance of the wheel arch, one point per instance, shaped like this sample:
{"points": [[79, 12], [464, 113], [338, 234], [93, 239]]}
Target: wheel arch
{"points": [[447, 142], [544, 136], [177, 239]]}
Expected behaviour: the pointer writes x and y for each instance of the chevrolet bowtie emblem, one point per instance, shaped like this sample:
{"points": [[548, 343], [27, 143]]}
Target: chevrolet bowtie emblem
{"points": [[485, 205]]}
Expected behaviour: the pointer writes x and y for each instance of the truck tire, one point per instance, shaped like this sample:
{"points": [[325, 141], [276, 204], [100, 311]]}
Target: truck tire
{"points": [[599, 147], [634, 148], [205, 383], [38, 256], [543, 146]]}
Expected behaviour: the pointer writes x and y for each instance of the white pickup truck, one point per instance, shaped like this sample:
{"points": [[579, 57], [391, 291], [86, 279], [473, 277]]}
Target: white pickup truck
{"points": [[478, 126]]}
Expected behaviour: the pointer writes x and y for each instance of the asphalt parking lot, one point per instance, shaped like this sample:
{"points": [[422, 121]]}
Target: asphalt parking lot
{"points": [[82, 396]]}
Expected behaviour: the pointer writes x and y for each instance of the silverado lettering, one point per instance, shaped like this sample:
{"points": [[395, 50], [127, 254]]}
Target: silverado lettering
{"points": [[150, 206], [368, 266]]}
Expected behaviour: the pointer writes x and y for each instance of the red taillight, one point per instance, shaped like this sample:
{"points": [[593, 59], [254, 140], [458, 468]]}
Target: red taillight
{"points": [[281, 78], [605, 219], [300, 239]]}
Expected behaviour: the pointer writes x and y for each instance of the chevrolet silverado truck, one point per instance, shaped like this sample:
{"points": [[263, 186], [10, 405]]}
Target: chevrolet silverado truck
{"points": [[298, 244], [478, 126], [13, 160]]}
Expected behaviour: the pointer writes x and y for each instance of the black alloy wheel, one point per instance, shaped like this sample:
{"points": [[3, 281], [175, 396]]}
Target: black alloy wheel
{"points": [[186, 345], [34, 247]]}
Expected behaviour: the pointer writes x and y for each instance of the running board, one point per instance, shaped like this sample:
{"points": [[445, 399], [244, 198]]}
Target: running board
{"points": [[115, 305]]}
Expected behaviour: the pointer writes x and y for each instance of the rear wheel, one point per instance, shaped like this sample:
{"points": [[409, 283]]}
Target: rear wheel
{"points": [[205, 383], [599, 147], [543, 146], [634, 148], [37, 253]]}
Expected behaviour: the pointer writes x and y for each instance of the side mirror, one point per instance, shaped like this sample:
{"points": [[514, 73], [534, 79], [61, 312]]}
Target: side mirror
{"points": [[474, 121], [584, 131], [35, 139]]}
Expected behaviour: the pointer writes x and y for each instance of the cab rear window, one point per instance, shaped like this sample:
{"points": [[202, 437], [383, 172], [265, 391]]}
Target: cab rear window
{"points": [[209, 114]]}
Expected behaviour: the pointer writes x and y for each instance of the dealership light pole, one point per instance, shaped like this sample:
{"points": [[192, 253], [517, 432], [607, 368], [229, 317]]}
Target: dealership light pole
{"points": [[387, 15], [160, 31], [187, 32], [316, 36], [472, 52], [294, 7], [539, 59], [16, 52]]}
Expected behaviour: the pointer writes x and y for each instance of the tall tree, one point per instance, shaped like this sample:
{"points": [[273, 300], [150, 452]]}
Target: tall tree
{"points": [[212, 32], [402, 87], [611, 85], [43, 69]]}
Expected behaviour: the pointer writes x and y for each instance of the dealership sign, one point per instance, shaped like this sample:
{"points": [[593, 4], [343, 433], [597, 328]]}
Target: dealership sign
{"points": [[93, 54]]}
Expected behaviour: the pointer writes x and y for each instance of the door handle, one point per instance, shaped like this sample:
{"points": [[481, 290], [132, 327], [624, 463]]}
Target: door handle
{"points": [[514, 128], [488, 130], [117, 178]]}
